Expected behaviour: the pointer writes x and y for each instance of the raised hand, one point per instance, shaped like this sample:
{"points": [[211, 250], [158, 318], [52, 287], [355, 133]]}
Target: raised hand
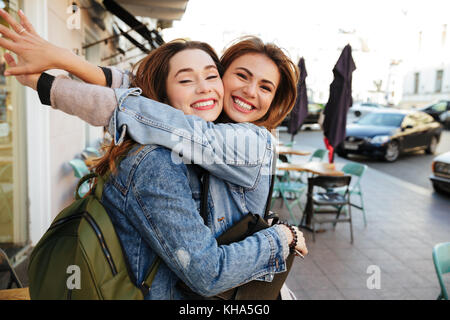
{"points": [[29, 80], [36, 54]]}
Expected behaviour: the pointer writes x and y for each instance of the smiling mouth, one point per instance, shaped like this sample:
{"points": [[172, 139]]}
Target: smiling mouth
{"points": [[242, 106], [205, 104]]}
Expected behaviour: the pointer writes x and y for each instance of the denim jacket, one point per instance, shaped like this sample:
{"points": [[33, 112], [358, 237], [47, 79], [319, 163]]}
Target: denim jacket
{"points": [[154, 200], [154, 213]]}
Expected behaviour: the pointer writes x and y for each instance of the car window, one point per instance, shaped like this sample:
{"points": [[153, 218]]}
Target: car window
{"points": [[440, 106], [382, 119]]}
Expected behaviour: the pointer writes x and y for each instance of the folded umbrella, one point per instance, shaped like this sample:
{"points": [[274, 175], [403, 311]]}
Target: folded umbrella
{"points": [[339, 101], [300, 110]]}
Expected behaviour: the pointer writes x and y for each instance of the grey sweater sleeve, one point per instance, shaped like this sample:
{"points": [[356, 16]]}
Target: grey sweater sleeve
{"points": [[91, 103]]}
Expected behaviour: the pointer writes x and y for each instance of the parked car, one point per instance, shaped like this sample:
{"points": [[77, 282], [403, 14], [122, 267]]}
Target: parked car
{"points": [[359, 109], [314, 110], [440, 178], [388, 133], [445, 119], [436, 109]]}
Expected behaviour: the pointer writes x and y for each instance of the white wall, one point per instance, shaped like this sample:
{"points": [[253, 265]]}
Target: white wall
{"points": [[53, 138]]}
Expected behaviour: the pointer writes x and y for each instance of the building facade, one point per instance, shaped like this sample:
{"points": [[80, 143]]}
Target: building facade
{"points": [[428, 78], [36, 141]]}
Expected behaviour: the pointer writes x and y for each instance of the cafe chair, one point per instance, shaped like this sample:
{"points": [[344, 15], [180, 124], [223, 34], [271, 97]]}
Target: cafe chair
{"points": [[318, 156], [329, 201], [80, 169], [356, 170], [5, 266], [441, 259], [291, 193]]}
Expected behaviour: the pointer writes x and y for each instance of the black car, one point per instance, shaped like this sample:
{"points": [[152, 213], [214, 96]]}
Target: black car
{"points": [[314, 110], [388, 133], [436, 109]]}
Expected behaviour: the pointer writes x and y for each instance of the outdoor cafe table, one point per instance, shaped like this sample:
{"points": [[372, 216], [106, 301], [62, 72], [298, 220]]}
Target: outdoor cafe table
{"points": [[319, 168], [289, 150]]}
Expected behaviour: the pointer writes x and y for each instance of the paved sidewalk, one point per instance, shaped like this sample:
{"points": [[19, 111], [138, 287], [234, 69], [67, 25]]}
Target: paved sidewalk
{"points": [[404, 222]]}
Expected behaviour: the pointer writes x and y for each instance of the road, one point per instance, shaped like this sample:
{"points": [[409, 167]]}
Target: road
{"points": [[414, 167]]}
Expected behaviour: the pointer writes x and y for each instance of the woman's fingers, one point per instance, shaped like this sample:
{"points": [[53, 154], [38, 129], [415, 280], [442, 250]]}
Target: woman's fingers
{"points": [[9, 59], [8, 33], [13, 68], [26, 23], [17, 27], [8, 45]]}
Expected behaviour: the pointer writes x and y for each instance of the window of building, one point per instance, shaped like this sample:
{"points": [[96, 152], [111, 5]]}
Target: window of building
{"points": [[416, 82], [13, 210], [438, 82]]}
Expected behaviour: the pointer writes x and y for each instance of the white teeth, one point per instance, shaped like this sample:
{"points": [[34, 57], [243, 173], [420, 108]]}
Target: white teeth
{"points": [[203, 104], [243, 104]]}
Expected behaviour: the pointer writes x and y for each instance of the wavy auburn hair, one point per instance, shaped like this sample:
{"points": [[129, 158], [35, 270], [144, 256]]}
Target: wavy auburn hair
{"points": [[286, 93], [150, 75]]}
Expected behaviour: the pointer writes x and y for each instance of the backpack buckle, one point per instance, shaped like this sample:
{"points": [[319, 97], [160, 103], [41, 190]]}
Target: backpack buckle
{"points": [[145, 289]]}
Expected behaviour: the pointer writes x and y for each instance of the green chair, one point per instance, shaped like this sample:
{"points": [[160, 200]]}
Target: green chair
{"points": [[92, 151], [291, 193], [356, 170], [441, 259], [80, 169], [319, 154]]}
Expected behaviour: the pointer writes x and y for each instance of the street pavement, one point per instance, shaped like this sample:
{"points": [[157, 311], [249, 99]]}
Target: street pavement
{"points": [[405, 219]]}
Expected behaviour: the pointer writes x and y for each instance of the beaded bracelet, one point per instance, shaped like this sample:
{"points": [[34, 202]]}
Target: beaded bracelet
{"points": [[293, 244]]}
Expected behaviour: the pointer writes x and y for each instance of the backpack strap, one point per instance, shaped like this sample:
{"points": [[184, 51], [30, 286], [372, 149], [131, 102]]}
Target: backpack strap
{"points": [[151, 273], [269, 214], [204, 201], [83, 180]]}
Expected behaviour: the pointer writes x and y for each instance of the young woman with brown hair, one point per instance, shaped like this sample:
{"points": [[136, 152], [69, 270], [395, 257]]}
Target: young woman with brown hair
{"points": [[147, 197]]}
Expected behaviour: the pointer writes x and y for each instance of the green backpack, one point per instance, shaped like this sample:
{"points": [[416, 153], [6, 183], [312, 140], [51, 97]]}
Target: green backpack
{"points": [[80, 256]]}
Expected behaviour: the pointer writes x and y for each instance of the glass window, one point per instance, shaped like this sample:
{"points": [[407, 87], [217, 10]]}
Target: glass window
{"points": [[416, 82], [438, 82], [13, 211], [440, 106]]}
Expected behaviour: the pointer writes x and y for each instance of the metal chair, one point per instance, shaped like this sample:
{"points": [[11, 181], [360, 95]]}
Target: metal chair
{"points": [[80, 169], [5, 266], [441, 259], [329, 201], [356, 170]]}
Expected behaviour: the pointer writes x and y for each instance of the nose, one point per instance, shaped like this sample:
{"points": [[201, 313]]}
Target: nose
{"points": [[203, 87], [250, 89]]}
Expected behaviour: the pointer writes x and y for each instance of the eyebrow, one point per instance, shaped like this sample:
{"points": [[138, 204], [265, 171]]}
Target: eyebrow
{"points": [[192, 70], [251, 75]]}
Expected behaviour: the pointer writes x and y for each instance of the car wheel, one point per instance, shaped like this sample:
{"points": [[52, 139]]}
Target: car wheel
{"points": [[438, 189], [432, 146], [392, 151]]}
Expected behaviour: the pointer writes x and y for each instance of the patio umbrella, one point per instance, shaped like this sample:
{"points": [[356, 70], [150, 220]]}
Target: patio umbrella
{"points": [[300, 110], [339, 101]]}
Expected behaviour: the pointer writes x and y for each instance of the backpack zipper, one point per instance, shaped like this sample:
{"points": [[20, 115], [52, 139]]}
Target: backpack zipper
{"points": [[97, 232]]}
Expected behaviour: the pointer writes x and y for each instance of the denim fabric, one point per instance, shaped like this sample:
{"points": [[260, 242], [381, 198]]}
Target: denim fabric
{"points": [[239, 153], [154, 204]]}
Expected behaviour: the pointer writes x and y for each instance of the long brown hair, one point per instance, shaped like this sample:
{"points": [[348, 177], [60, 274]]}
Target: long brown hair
{"points": [[150, 75], [286, 93]]}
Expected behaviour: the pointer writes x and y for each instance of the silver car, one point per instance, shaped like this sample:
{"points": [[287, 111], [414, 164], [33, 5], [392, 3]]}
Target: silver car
{"points": [[440, 178], [359, 109]]}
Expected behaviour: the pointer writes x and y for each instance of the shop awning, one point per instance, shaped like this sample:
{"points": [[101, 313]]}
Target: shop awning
{"points": [[158, 9]]}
